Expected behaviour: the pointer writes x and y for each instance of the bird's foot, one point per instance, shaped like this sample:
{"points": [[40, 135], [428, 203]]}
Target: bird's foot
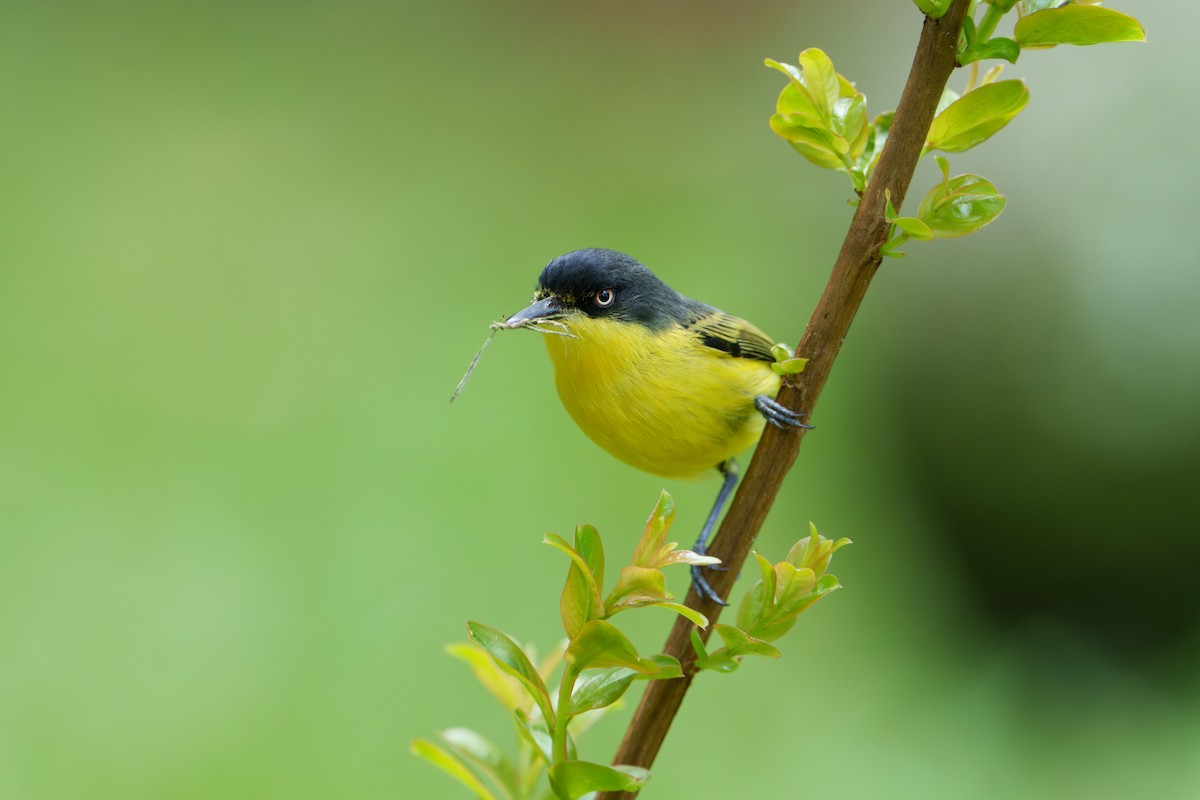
{"points": [[701, 583], [779, 415]]}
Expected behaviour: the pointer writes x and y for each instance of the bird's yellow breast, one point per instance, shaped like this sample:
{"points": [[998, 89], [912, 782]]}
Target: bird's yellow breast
{"points": [[658, 400]]}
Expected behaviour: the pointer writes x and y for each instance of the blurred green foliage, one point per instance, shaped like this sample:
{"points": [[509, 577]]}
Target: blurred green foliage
{"points": [[248, 249]]}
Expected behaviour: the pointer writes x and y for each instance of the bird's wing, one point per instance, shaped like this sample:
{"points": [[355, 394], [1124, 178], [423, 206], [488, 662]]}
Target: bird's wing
{"points": [[731, 335]]}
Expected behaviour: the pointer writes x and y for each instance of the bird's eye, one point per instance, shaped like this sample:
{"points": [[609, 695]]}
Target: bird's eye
{"points": [[605, 297]]}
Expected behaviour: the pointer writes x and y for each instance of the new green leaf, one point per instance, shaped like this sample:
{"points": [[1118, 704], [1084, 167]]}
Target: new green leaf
{"points": [[996, 47], [580, 600], [960, 205], [538, 736], [740, 643], [668, 667], [654, 535], [1077, 24], [600, 689], [574, 779], [512, 659], [485, 757], [487, 672], [636, 586], [601, 644], [427, 750], [934, 9], [976, 116], [914, 228], [821, 80]]}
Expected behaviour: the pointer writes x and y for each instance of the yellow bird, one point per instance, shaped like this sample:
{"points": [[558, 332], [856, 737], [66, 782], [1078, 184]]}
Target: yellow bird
{"points": [[665, 383]]}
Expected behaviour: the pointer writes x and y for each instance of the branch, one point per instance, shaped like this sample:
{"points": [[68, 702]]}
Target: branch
{"points": [[830, 322]]}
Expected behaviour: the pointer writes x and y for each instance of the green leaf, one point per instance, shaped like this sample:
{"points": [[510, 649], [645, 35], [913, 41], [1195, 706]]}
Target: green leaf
{"points": [[668, 667], [976, 116], [996, 47], [741, 643], [934, 9], [654, 535], [717, 661], [793, 73], [960, 205], [858, 178], [821, 80], [600, 689], [816, 145], [914, 228], [760, 600], [791, 583], [691, 614], [850, 122], [815, 551], [968, 33], [948, 97], [756, 604], [823, 116], [654, 552], [501, 685], [889, 211], [485, 757], [1077, 24], [427, 750], [766, 571], [588, 545], [846, 88], [538, 735], [880, 127], [785, 615], [636, 586], [574, 779], [796, 103], [580, 601], [790, 366], [512, 659], [600, 644]]}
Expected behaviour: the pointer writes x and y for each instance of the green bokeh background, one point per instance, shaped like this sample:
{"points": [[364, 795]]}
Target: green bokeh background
{"points": [[248, 249]]}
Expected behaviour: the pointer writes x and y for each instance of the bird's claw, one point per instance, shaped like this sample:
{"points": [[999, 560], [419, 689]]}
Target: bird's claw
{"points": [[779, 415], [701, 583]]}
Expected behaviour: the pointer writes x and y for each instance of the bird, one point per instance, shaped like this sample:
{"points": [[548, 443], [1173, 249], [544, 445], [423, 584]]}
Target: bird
{"points": [[667, 384]]}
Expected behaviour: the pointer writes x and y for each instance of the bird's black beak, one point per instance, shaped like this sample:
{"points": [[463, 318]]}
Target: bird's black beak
{"points": [[546, 308]]}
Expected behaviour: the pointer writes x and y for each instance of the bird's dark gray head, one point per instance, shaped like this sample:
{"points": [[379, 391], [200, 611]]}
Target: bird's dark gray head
{"points": [[605, 283]]}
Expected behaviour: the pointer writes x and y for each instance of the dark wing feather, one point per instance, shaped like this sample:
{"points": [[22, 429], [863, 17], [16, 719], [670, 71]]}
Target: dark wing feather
{"points": [[731, 335]]}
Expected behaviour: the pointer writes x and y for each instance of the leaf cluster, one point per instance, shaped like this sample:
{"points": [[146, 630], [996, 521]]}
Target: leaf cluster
{"points": [[596, 665], [1041, 24], [769, 610], [823, 116], [786, 362], [640, 584]]}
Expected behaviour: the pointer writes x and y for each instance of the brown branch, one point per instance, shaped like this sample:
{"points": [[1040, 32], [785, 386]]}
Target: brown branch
{"points": [[830, 322]]}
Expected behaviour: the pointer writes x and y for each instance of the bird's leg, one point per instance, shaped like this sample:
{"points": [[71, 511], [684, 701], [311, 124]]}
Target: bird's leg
{"points": [[729, 469], [781, 417], [777, 414]]}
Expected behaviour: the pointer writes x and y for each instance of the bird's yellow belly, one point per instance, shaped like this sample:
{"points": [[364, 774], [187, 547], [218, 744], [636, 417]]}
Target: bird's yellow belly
{"points": [[659, 401]]}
